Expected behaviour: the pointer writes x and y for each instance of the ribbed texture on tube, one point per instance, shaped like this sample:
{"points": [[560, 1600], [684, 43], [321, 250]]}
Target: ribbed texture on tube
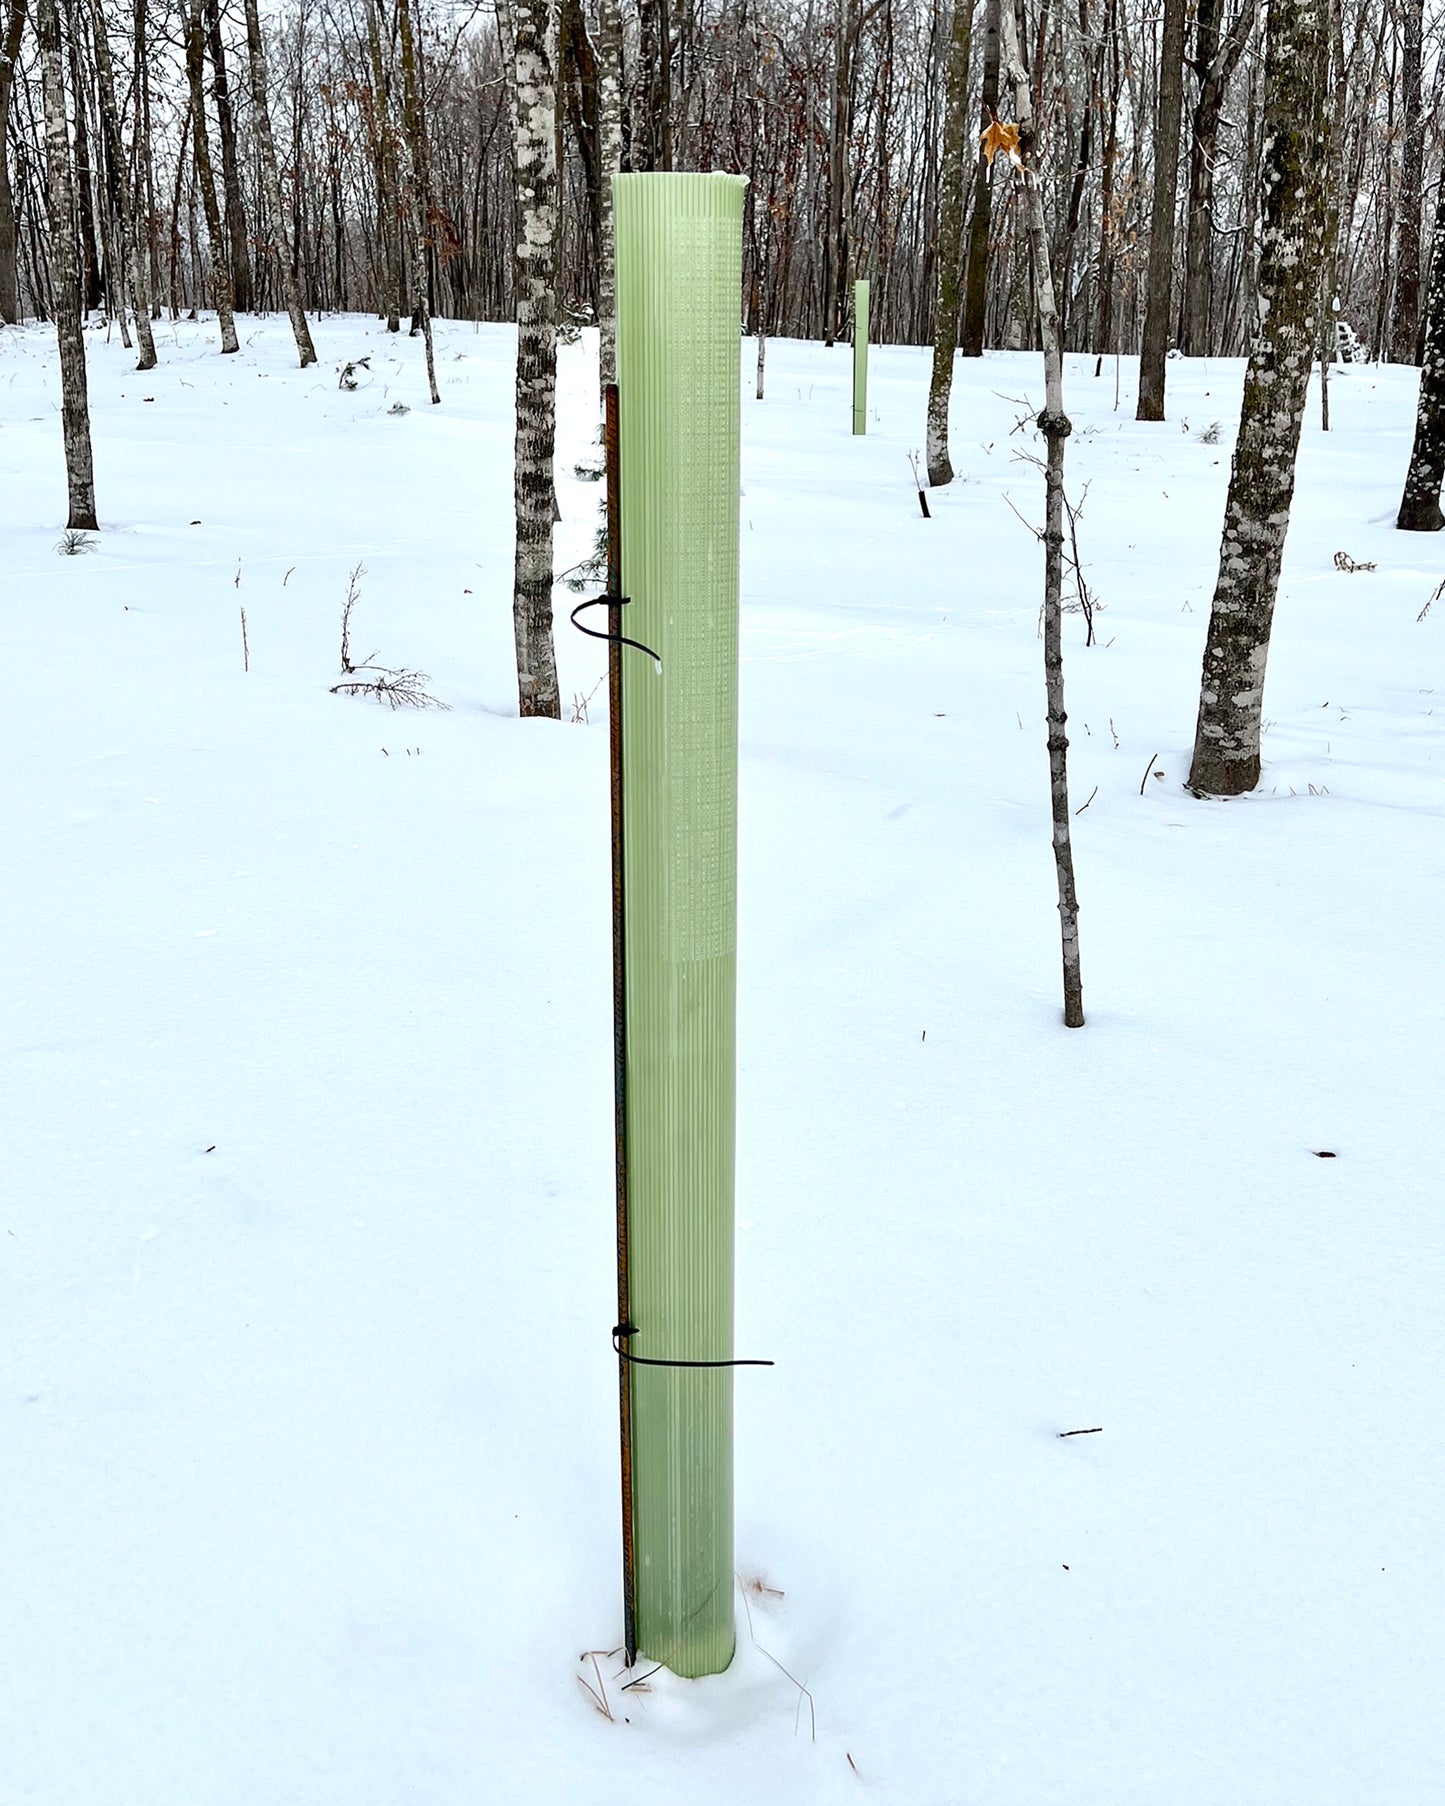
{"points": [[679, 281], [860, 357]]}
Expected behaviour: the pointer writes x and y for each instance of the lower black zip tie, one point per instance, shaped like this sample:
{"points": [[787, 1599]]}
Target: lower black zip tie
{"points": [[615, 639], [622, 1330]]}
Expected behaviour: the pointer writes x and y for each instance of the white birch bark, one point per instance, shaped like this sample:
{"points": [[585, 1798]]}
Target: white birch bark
{"points": [[271, 182], [65, 268], [535, 153], [133, 251], [1276, 383]]}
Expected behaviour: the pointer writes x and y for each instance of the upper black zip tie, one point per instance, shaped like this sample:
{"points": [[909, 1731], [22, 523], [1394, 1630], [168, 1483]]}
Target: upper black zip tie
{"points": [[616, 639], [621, 1330]]}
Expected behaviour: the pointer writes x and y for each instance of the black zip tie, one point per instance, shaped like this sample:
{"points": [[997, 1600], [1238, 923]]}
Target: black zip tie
{"points": [[620, 1331], [615, 639]]}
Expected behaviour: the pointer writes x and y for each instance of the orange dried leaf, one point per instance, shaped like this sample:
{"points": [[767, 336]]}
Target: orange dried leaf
{"points": [[998, 137]]}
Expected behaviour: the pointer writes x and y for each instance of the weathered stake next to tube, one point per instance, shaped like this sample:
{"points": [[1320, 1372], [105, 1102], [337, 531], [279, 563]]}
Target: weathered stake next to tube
{"points": [[679, 275], [860, 357]]}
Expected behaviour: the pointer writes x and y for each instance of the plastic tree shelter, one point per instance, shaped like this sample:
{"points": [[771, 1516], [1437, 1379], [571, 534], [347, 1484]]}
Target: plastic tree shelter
{"points": [[679, 275]]}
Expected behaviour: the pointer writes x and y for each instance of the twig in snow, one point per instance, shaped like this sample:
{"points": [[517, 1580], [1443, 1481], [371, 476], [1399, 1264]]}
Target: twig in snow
{"points": [[1097, 1430], [922, 494], [245, 645], [1087, 800], [1145, 779], [1435, 598]]}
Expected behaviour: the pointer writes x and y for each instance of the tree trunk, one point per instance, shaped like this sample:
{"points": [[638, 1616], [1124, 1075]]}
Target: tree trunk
{"points": [[1159, 291], [950, 238], [419, 189], [975, 306], [1261, 484], [206, 181], [388, 185], [1055, 426], [1406, 322], [9, 280], [133, 251], [74, 399], [835, 244], [271, 183], [1215, 58], [1420, 504], [90, 284], [535, 155], [609, 135], [238, 243]]}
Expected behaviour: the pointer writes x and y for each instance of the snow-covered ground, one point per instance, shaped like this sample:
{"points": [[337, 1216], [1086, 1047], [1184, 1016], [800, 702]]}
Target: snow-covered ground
{"points": [[309, 1487]]}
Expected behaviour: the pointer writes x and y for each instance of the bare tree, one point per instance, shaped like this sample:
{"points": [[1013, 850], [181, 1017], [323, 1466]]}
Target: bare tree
{"points": [[1055, 426], [418, 188], [1406, 323], [9, 51], [1159, 289], [535, 151], [206, 181], [65, 265], [1294, 162], [956, 144], [240, 255], [976, 282], [1420, 503], [271, 183], [1217, 50], [133, 252]]}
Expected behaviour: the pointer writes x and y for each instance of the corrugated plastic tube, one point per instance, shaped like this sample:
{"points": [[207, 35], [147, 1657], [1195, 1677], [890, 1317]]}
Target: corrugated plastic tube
{"points": [[860, 357], [679, 279]]}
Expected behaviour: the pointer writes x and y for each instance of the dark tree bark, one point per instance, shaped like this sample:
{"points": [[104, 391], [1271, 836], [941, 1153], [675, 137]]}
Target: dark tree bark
{"points": [[975, 303], [418, 189], [1261, 485], [1216, 55], [1056, 427], [388, 180], [1405, 324], [65, 270], [956, 146], [237, 241], [9, 51], [206, 181], [609, 151], [91, 289], [1420, 504], [1159, 289]]}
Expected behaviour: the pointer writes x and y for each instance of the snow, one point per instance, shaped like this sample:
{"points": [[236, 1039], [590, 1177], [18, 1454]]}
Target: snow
{"points": [[308, 1404]]}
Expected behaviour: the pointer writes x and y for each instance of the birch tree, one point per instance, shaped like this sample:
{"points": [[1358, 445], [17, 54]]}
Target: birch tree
{"points": [[534, 24], [133, 252], [956, 145], [206, 181], [1420, 504], [1261, 482], [1055, 425], [65, 269], [271, 183]]}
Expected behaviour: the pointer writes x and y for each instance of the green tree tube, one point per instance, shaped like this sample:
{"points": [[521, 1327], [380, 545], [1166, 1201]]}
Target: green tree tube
{"points": [[860, 357], [679, 281]]}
